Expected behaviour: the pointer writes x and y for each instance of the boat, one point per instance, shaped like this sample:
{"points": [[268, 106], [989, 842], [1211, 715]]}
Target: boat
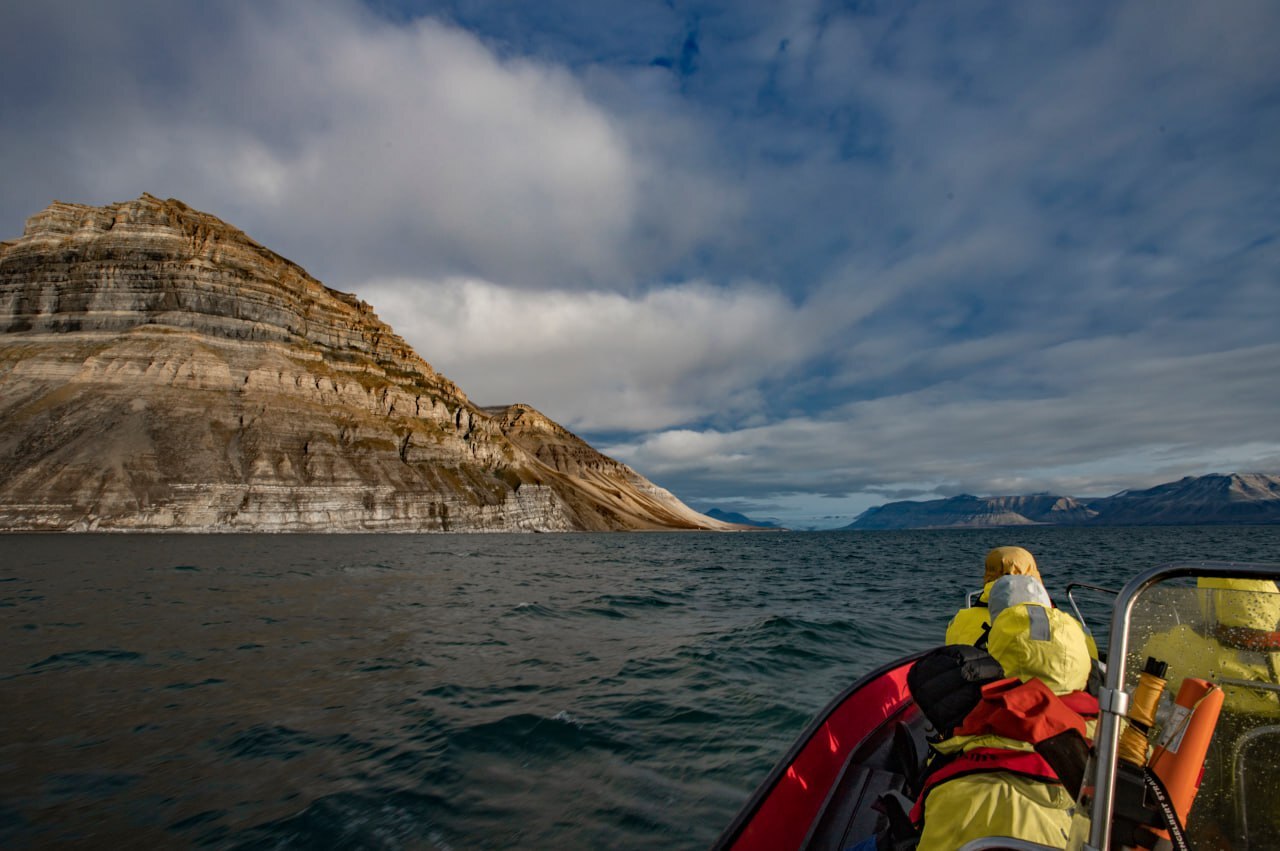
{"points": [[853, 770]]}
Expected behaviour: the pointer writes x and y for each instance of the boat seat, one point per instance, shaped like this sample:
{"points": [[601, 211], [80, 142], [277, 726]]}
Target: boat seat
{"points": [[874, 780], [849, 815], [909, 755]]}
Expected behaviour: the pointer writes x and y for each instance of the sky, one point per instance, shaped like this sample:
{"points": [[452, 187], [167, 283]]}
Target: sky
{"points": [[788, 259]]}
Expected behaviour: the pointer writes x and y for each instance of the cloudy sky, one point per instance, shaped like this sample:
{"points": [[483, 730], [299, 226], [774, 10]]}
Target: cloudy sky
{"points": [[791, 259]]}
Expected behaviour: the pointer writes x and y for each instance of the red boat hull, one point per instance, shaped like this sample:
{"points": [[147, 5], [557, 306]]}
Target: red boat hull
{"points": [[782, 812]]}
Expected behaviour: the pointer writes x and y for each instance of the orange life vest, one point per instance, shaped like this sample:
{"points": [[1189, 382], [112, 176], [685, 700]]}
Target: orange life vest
{"points": [[982, 761], [1026, 712]]}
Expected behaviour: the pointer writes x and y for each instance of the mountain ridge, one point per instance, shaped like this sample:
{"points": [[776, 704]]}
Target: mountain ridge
{"points": [[161, 370], [741, 519], [1192, 500]]}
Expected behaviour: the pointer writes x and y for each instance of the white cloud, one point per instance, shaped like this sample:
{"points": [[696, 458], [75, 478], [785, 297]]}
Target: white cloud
{"points": [[360, 147], [603, 361], [1114, 416]]}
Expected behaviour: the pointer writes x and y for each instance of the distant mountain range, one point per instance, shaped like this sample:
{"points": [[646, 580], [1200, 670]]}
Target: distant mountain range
{"points": [[741, 519], [1241, 498]]}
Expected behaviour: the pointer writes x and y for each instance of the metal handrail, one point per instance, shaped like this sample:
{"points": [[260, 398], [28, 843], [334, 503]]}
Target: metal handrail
{"points": [[1113, 701], [1003, 843], [1242, 810], [1253, 684], [1072, 600]]}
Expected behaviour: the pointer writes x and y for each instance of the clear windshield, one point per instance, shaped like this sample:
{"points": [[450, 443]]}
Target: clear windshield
{"points": [[1230, 638]]}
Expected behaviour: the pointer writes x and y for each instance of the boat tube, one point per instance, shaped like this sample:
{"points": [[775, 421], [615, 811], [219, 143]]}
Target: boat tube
{"points": [[864, 744]]}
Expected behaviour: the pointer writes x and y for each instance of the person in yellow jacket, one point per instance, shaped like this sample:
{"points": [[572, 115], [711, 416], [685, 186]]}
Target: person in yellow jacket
{"points": [[1236, 643], [1239, 640], [1030, 640], [970, 623], [996, 803]]}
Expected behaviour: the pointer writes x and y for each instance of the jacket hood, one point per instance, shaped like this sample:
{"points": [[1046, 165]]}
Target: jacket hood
{"points": [[1009, 561], [1030, 640], [1011, 590], [1241, 603]]}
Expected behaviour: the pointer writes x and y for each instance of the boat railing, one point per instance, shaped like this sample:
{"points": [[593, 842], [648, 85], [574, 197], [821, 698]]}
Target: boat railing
{"points": [[1075, 607], [1114, 701], [1240, 767], [1004, 843]]}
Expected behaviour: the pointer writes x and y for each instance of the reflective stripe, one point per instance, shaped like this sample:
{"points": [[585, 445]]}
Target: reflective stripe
{"points": [[1039, 623]]}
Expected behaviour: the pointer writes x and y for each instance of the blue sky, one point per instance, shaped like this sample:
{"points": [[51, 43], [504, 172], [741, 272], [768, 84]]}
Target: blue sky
{"points": [[788, 259]]}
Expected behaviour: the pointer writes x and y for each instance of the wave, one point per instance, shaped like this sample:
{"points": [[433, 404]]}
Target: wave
{"points": [[279, 742], [86, 658], [529, 734], [374, 819], [532, 610]]}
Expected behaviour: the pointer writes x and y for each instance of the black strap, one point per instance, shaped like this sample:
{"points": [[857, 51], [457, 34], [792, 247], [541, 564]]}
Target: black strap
{"points": [[897, 809], [1160, 795], [1067, 753], [981, 643]]}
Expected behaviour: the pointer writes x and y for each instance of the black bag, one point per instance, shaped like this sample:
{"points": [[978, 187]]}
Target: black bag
{"points": [[946, 683]]}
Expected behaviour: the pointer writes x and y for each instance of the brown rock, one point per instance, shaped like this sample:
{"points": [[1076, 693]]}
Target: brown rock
{"points": [[161, 370]]}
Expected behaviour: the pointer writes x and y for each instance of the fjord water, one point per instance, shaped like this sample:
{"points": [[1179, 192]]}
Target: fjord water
{"points": [[460, 691]]}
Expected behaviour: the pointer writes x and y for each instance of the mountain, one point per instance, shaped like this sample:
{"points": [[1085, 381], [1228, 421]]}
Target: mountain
{"points": [[160, 370], [1236, 498], [975, 511], [739, 519]]}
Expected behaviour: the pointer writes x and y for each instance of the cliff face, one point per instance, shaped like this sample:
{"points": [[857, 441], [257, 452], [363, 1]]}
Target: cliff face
{"points": [[161, 370], [1237, 498]]}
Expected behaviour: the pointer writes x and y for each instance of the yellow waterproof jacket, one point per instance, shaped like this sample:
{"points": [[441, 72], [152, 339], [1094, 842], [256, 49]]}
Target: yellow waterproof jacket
{"points": [[1030, 640], [968, 624], [1192, 654], [1235, 610], [994, 803]]}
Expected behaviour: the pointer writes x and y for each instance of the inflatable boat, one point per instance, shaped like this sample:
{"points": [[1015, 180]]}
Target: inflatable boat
{"points": [[852, 772]]}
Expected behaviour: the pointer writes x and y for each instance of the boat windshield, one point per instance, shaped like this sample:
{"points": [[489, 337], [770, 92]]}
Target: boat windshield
{"points": [[1226, 631]]}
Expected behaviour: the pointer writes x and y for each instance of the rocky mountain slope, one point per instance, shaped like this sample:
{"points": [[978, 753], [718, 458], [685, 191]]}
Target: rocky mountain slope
{"points": [[161, 370], [1235, 498]]}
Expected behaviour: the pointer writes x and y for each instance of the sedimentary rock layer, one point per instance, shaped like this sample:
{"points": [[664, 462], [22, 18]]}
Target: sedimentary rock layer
{"points": [[161, 370]]}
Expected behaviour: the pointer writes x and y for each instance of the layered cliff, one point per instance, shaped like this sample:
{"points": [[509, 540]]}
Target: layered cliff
{"points": [[161, 370]]}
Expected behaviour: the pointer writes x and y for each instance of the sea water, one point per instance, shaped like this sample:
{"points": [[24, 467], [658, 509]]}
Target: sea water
{"points": [[463, 691]]}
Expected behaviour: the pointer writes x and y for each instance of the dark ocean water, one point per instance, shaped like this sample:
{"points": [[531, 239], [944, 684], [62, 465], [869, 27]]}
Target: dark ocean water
{"points": [[459, 691]]}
